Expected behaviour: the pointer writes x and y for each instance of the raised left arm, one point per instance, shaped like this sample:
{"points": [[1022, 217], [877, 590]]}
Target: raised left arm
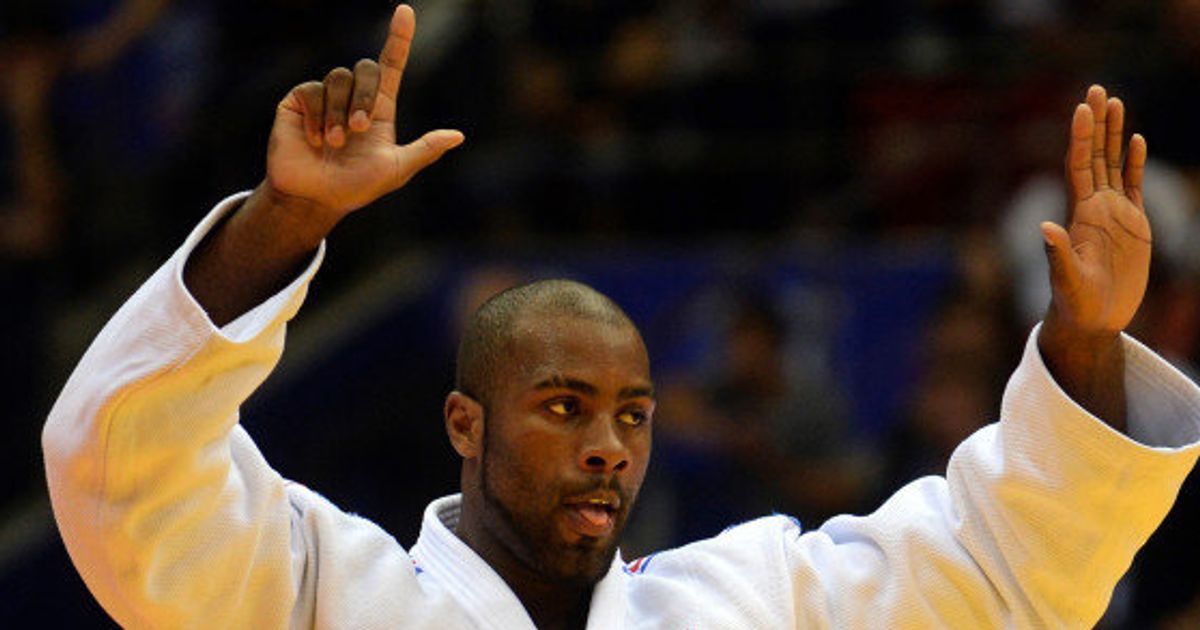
{"points": [[1099, 263]]}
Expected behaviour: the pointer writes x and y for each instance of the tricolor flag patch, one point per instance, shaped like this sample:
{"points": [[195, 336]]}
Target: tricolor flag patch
{"points": [[639, 565]]}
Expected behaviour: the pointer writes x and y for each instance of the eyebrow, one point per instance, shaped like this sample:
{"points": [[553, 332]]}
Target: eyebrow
{"points": [[563, 382], [645, 391]]}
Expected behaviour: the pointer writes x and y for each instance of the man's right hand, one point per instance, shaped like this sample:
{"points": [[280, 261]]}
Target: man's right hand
{"points": [[332, 150], [333, 143]]}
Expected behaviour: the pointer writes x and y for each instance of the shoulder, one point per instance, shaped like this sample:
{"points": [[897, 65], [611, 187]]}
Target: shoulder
{"points": [[744, 552], [736, 577], [742, 540]]}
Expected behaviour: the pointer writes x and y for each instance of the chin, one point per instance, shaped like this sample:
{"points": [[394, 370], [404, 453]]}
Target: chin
{"points": [[578, 560], [580, 564]]}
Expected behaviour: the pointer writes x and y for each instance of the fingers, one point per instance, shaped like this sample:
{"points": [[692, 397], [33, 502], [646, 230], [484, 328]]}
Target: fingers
{"points": [[1135, 167], [372, 87], [366, 86], [1097, 101], [1094, 157], [1115, 112], [337, 106], [1080, 177], [1064, 271], [338, 84], [309, 100], [426, 150], [346, 101], [392, 60]]}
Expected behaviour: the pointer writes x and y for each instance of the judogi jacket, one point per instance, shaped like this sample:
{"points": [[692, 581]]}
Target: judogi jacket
{"points": [[174, 519]]}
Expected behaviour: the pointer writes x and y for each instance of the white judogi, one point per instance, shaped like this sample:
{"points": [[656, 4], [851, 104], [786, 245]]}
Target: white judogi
{"points": [[174, 519]]}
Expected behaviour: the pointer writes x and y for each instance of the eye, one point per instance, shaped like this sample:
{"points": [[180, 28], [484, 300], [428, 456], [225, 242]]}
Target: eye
{"points": [[632, 417], [563, 407]]}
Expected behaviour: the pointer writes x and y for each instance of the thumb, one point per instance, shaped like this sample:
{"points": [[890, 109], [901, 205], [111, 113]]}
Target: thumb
{"points": [[422, 152], [1064, 268]]}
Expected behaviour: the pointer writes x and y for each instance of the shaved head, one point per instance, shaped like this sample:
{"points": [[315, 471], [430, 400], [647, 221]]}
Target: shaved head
{"points": [[487, 341]]}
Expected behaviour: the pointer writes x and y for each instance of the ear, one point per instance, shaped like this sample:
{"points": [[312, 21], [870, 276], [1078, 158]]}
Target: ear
{"points": [[464, 424]]}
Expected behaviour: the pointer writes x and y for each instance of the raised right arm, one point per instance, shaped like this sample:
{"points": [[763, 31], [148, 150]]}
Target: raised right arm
{"points": [[168, 510], [332, 150]]}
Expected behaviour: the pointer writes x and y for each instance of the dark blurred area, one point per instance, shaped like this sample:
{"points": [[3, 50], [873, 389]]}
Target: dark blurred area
{"points": [[822, 213]]}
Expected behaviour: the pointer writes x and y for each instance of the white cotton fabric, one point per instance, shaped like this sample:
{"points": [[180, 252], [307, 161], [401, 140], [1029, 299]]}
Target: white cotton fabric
{"points": [[175, 520]]}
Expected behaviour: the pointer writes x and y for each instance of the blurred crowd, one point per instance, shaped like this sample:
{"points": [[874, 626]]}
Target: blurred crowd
{"points": [[837, 128]]}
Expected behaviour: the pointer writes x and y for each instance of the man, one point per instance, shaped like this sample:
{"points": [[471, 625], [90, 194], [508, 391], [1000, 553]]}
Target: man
{"points": [[174, 519]]}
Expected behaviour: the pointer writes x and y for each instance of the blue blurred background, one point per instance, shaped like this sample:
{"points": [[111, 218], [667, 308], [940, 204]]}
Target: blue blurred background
{"points": [[822, 213]]}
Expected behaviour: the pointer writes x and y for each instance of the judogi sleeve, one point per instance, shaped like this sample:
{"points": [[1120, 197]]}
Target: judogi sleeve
{"points": [[169, 512], [1038, 517]]}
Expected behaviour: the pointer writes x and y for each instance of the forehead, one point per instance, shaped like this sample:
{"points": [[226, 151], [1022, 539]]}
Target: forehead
{"points": [[597, 351]]}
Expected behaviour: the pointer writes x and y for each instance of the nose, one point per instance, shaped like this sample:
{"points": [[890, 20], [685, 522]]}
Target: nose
{"points": [[603, 451]]}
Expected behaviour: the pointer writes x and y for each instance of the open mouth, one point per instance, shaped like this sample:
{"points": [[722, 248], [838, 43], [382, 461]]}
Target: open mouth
{"points": [[593, 517]]}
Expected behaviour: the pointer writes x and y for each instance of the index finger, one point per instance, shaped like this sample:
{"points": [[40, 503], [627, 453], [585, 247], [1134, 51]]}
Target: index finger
{"points": [[392, 60]]}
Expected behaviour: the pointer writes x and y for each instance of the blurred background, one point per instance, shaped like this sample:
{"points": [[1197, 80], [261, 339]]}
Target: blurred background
{"points": [[822, 214]]}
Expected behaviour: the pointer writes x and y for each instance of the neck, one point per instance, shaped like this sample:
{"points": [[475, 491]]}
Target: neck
{"points": [[552, 604]]}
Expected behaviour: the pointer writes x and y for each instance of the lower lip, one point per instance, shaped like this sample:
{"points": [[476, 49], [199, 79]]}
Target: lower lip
{"points": [[585, 527]]}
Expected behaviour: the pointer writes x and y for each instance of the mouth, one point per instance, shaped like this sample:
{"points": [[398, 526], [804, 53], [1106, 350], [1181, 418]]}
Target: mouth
{"points": [[593, 516]]}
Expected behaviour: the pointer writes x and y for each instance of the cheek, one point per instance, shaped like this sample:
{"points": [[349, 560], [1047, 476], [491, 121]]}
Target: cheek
{"points": [[639, 448], [526, 467], [640, 444]]}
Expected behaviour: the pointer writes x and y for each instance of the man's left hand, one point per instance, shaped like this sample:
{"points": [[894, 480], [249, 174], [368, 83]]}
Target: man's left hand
{"points": [[1099, 263]]}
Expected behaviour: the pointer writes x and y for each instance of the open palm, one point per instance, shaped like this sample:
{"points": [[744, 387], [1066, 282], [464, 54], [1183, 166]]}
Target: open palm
{"points": [[1100, 263]]}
